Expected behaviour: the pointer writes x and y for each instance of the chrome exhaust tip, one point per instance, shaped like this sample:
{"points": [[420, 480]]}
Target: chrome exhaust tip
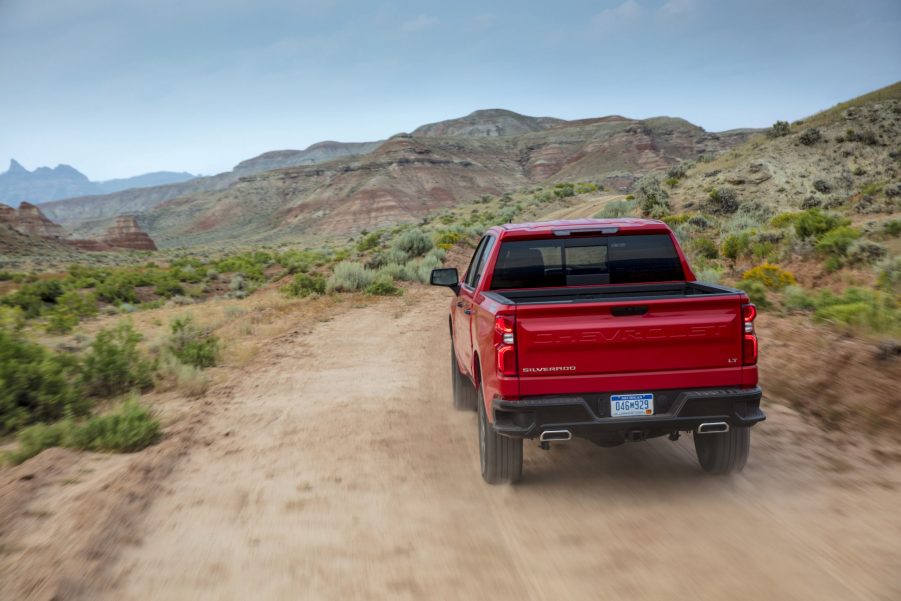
{"points": [[713, 428], [549, 435]]}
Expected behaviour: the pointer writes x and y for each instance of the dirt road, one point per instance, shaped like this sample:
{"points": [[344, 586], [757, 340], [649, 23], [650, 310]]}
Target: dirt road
{"points": [[339, 470]]}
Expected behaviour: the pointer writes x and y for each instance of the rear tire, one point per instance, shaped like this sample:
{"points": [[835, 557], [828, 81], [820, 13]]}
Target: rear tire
{"points": [[500, 456], [723, 453], [463, 390]]}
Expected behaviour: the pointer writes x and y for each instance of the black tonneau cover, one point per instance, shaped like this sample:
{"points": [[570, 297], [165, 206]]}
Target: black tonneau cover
{"points": [[641, 292]]}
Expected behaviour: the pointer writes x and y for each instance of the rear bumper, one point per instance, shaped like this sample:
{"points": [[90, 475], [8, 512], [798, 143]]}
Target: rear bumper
{"points": [[588, 416]]}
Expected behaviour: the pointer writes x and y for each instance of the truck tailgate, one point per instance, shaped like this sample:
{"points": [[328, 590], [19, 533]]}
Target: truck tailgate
{"points": [[603, 346]]}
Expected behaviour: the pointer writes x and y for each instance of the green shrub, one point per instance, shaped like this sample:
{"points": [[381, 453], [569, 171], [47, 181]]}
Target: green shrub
{"points": [[616, 208], [304, 285], [77, 303], [172, 374], [833, 264], [708, 274], [673, 220], [191, 344], [822, 186], [869, 310], [61, 321], [672, 182], [34, 439], [721, 201], [168, 286], [129, 428], [892, 228], [771, 276], [586, 187], [679, 170], [564, 190], [872, 189], [736, 245], [369, 241], [756, 291], [437, 253], [865, 252], [249, 265], [813, 223], [238, 283], [350, 277], [652, 199], [889, 274], [118, 288], [36, 384], [392, 270], [796, 298], [114, 365], [446, 239], [419, 270], [705, 247], [810, 137], [12, 318], [835, 243], [414, 242], [383, 285], [779, 129], [300, 261], [34, 297], [783, 220], [699, 221]]}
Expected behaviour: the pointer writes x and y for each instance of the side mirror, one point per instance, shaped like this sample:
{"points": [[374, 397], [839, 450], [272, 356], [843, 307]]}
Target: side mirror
{"points": [[446, 277]]}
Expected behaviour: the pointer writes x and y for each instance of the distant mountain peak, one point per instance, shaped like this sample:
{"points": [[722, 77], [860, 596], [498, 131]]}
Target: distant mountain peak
{"points": [[16, 167], [67, 169], [487, 123], [483, 113]]}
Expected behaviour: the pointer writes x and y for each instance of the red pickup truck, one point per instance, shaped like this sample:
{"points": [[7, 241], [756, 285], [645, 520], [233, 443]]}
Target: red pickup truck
{"points": [[598, 329]]}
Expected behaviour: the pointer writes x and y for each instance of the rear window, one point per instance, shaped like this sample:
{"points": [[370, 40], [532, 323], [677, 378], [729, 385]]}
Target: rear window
{"points": [[621, 259]]}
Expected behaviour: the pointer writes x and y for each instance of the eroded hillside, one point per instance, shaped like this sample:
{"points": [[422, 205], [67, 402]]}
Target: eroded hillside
{"points": [[438, 167]]}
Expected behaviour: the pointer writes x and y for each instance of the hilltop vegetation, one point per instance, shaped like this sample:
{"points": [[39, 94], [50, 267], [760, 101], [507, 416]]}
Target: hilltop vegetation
{"points": [[804, 217]]}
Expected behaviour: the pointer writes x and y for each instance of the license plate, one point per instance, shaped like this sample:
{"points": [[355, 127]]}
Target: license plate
{"points": [[622, 405]]}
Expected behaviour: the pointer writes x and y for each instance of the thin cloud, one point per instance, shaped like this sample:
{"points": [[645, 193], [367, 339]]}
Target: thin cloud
{"points": [[673, 8], [609, 18], [419, 23]]}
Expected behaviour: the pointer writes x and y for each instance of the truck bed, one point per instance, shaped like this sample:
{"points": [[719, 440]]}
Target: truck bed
{"points": [[594, 294]]}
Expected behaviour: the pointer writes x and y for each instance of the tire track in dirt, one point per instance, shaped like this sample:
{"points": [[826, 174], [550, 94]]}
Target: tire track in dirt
{"points": [[340, 470]]}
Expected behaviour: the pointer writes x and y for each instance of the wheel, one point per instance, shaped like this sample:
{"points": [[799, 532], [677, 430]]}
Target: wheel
{"points": [[464, 393], [500, 456], [723, 453]]}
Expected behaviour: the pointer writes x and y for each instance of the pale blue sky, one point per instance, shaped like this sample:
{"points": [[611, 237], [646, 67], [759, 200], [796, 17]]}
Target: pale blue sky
{"points": [[121, 87]]}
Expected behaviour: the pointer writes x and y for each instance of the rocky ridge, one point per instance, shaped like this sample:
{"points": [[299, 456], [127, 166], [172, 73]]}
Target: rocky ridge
{"points": [[412, 175], [31, 224], [91, 215], [63, 181]]}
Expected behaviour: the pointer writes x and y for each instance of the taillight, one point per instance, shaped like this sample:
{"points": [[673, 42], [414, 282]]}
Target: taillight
{"points": [[504, 340], [749, 338], [748, 313]]}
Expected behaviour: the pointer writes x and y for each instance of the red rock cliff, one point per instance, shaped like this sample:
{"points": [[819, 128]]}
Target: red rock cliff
{"points": [[29, 220], [126, 233]]}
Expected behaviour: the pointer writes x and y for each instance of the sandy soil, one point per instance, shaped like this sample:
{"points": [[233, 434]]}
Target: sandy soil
{"points": [[336, 468]]}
